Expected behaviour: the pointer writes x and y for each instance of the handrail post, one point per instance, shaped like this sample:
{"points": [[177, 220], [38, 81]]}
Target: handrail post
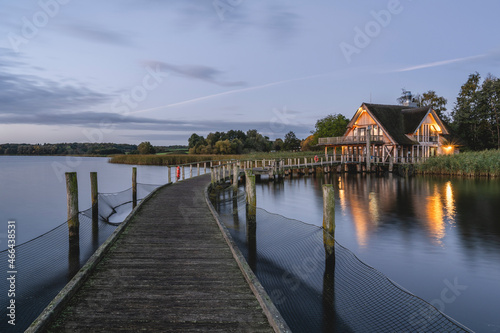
{"points": [[134, 187]]}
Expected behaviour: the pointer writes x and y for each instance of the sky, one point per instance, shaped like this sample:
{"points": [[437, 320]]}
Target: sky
{"points": [[129, 71]]}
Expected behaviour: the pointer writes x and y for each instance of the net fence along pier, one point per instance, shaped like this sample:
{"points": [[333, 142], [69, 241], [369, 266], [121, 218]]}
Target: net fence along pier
{"points": [[319, 288], [46, 263]]}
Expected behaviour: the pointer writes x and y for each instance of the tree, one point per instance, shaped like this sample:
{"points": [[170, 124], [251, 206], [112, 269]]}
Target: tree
{"points": [[308, 143], [428, 98], [291, 142], [222, 147], [489, 109], [331, 125], [438, 103], [256, 141], [146, 148], [278, 144], [195, 139], [465, 114]]}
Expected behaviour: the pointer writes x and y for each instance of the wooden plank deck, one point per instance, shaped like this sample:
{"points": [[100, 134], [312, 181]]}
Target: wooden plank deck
{"points": [[170, 270]]}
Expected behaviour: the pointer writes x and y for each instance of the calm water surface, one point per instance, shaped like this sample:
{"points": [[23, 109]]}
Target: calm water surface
{"points": [[33, 188], [33, 193], [424, 233]]}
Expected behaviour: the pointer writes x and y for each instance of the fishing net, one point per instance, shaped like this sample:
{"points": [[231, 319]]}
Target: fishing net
{"points": [[45, 264], [319, 285]]}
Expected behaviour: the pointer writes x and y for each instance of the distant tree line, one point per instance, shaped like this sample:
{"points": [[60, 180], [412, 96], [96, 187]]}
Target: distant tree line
{"points": [[66, 149], [239, 142]]}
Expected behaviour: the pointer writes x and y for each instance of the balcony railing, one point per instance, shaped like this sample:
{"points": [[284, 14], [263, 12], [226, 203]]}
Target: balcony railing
{"points": [[340, 140], [423, 138]]}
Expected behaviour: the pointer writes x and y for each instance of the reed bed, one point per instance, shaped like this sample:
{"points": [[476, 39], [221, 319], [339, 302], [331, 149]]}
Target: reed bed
{"points": [[469, 164]]}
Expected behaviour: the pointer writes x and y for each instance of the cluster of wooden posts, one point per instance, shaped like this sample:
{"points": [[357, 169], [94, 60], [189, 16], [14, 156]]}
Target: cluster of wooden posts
{"points": [[222, 172], [280, 168]]}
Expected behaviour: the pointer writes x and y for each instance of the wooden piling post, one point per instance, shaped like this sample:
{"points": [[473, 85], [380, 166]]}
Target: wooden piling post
{"points": [[368, 152], [250, 191], [328, 217], [183, 172], [72, 199], [134, 187], [94, 200], [169, 174], [198, 169], [236, 174], [190, 171]]}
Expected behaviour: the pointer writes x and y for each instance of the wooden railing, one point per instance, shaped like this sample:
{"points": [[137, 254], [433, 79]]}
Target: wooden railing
{"points": [[339, 140]]}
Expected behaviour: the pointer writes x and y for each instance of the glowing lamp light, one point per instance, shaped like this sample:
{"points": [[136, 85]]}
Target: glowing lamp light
{"points": [[436, 128]]}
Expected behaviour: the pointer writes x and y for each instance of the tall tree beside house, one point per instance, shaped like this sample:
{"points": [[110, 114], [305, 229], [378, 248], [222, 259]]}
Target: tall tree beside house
{"points": [[476, 113], [428, 98], [489, 108], [146, 148], [438, 103], [331, 125]]}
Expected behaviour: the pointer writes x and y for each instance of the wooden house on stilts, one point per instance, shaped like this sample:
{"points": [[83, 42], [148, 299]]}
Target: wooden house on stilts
{"points": [[405, 133]]}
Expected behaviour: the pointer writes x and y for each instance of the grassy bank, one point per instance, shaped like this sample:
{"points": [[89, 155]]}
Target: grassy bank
{"points": [[172, 159], [471, 164]]}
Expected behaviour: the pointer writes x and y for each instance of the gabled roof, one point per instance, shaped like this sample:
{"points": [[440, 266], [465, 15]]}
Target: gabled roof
{"points": [[392, 119], [398, 120], [413, 118]]}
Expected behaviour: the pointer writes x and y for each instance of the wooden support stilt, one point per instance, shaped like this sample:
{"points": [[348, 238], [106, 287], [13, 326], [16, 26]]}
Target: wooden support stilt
{"points": [[72, 199]]}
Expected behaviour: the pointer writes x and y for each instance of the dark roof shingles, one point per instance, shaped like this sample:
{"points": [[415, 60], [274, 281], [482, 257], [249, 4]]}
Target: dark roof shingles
{"points": [[392, 118]]}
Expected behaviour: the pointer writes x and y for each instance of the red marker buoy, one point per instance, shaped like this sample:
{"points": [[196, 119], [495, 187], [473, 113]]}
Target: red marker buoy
{"points": [[178, 172]]}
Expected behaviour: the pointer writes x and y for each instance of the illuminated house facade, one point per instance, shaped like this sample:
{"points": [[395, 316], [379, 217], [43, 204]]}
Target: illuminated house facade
{"points": [[405, 133]]}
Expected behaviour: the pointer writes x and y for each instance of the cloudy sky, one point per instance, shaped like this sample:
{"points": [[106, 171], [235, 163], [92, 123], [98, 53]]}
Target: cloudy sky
{"points": [[148, 70]]}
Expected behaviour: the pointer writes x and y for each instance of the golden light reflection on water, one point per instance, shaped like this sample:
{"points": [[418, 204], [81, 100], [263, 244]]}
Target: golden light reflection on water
{"points": [[449, 202], [362, 223], [434, 216], [434, 206], [373, 207]]}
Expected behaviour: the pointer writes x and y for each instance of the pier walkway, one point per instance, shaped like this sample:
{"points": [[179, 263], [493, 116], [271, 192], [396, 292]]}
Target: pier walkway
{"points": [[169, 270]]}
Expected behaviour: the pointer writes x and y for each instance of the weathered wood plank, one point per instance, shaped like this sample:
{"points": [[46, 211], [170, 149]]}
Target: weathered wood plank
{"points": [[170, 270]]}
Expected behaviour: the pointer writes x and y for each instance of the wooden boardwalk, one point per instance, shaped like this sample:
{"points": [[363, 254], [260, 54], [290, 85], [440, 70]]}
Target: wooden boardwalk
{"points": [[170, 270]]}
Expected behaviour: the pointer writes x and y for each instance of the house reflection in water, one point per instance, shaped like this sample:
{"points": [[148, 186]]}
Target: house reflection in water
{"points": [[383, 202]]}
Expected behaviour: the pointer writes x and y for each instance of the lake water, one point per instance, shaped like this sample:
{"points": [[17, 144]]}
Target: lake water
{"points": [[424, 232], [33, 188], [437, 237], [33, 194]]}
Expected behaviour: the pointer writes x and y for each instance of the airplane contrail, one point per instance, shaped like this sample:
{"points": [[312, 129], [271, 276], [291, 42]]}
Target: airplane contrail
{"points": [[197, 99], [441, 63]]}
